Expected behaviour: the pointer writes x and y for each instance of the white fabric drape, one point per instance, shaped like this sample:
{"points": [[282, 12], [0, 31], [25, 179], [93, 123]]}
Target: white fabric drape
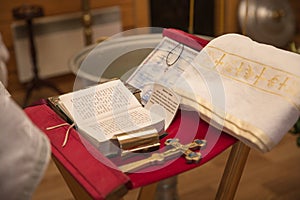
{"points": [[249, 89]]}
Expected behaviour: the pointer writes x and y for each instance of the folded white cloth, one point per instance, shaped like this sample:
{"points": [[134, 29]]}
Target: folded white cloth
{"points": [[249, 89]]}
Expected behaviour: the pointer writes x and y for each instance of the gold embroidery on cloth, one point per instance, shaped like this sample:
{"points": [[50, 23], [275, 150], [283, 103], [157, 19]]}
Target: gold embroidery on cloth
{"points": [[258, 75]]}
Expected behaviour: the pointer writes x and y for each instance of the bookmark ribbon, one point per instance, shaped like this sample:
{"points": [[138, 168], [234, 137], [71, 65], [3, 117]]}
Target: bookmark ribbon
{"points": [[67, 132]]}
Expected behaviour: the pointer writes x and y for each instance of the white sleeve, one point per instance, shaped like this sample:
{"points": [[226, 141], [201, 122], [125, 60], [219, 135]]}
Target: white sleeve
{"points": [[24, 152], [4, 55]]}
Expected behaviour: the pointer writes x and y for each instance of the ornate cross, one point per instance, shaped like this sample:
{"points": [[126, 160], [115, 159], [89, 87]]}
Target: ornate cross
{"points": [[176, 149]]}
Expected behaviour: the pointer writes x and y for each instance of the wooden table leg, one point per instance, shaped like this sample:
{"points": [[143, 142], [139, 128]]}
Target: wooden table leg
{"points": [[165, 189], [233, 171], [147, 192]]}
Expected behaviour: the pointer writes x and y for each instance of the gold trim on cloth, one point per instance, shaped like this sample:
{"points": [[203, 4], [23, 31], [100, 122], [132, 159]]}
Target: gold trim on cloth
{"points": [[257, 75], [249, 134]]}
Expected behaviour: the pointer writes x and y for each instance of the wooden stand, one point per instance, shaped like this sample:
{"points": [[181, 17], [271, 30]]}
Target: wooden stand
{"points": [[233, 171]]}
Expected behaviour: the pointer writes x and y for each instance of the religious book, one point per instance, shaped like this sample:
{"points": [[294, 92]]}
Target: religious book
{"points": [[109, 116]]}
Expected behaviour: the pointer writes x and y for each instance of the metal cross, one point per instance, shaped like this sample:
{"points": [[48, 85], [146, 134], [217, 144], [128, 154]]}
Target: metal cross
{"points": [[176, 149]]}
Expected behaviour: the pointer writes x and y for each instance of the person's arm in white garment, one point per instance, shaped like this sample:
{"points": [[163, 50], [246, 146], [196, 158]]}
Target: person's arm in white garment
{"points": [[24, 152], [4, 55]]}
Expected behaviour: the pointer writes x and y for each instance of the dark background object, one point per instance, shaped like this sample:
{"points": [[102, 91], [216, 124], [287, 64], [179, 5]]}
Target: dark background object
{"points": [[175, 14], [28, 13]]}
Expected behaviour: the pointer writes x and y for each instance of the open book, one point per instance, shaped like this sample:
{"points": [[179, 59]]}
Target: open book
{"points": [[104, 112]]}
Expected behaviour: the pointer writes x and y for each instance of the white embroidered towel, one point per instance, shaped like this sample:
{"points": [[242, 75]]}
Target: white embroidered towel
{"points": [[249, 89]]}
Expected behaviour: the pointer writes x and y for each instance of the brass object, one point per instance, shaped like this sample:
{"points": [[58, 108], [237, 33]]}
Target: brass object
{"points": [[267, 21], [87, 22], [141, 140], [176, 149], [191, 16], [294, 48], [101, 39]]}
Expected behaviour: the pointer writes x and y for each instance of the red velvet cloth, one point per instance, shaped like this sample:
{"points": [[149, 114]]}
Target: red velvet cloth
{"points": [[98, 178], [190, 40]]}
